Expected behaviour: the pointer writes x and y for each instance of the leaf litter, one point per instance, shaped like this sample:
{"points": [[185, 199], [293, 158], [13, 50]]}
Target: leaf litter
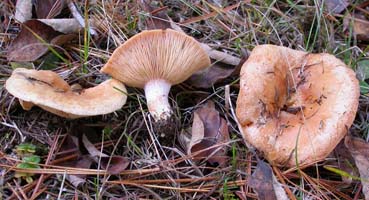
{"points": [[47, 9], [113, 164], [209, 136], [265, 183], [34, 40], [359, 150], [29, 128]]}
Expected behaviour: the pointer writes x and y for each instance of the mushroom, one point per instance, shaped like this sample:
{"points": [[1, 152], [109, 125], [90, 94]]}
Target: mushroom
{"points": [[155, 60], [49, 91], [294, 106]]}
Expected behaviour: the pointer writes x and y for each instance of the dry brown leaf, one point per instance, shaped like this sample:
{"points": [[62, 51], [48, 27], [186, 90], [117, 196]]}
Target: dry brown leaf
{"points": [[265, 184], [23, 10], [360, 26], [62, 39], [215, 73], [359, 149], [344, 160], [158, 18], [64, 25], [47, 9], [113, 164], [116, 164], [82, 162], [27, 47], [208, 77], [336, 6], [209, 130], [71, 143]]}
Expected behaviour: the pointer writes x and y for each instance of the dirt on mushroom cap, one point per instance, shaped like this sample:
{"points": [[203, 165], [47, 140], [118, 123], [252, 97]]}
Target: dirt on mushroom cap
{"points": [[156, 54], [49, 91], [292, 100]]}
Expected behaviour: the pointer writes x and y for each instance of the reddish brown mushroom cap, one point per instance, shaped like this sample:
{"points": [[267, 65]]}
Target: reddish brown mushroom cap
{"points": [[292, 100], [49, 91]]}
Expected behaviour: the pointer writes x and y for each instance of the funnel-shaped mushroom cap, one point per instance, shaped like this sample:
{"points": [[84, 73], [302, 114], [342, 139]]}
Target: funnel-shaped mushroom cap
{"points": [[156, 54], [292, 101], [50, 92]]}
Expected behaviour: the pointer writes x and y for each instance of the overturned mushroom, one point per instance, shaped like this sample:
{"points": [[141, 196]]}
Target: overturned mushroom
{"points": [[155, 60], [49, 91], [294, 106]]}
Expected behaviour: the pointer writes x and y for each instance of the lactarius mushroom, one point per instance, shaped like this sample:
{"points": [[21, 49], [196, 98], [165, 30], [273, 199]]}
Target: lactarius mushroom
{"points": [[155, 60], [294, 106], [49, 91]]}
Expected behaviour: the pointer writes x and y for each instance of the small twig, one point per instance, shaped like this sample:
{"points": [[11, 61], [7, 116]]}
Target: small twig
{"points": [[19, 188], [14, 191], [221, 56], [42, 190], [13, 125], [72, 170], [62, 185], [29, 187], [171, 188]]}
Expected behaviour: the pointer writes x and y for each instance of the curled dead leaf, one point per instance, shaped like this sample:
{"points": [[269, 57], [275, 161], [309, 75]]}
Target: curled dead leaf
{"points": [[113, 164], [265, 184], [336, 6], [23, 10], [217, 72], [82, 162], [209, 76], [359, 150], [208, 136], [47, 9], [71, 143], [64, 25], [33, 41], [344, 160], [359, 24]]}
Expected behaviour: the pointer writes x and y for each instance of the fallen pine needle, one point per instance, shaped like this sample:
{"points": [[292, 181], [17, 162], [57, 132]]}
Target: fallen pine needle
{"points": [[158, 181]]}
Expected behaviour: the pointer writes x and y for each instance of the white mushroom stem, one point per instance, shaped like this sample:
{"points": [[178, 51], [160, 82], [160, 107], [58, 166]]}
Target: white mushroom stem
{"points": [[156, 92]]}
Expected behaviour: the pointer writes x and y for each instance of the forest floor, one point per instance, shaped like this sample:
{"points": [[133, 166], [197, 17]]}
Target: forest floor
{"points": [[44, 156]]}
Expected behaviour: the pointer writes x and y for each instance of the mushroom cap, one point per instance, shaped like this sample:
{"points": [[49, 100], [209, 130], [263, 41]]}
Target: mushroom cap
{"points": [[295, 100], [49, 91], [156, 54]]}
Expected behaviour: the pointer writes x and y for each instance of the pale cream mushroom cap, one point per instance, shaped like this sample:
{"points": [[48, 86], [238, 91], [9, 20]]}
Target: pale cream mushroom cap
{"points": [[295, 100], [156, 54], [49, 91]]}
